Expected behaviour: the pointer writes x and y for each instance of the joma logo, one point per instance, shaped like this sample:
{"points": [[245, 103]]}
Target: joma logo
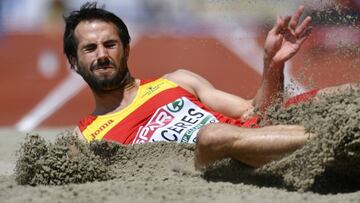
{"points": [[101, 128]]}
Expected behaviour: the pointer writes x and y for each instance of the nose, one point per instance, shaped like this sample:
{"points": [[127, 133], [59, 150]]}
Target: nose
{"points": [[102, 52], [102, 57]]}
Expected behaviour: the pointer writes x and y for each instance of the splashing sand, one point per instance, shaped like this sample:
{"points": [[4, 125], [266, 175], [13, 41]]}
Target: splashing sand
{"points": [[330, 162]]}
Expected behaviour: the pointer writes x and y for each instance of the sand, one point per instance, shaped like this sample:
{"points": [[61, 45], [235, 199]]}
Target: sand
{"points": [[330, 161], [326, 169]]}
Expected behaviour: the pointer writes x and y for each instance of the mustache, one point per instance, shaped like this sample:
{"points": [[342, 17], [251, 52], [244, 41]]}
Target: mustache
{"points": [[101, 63]]}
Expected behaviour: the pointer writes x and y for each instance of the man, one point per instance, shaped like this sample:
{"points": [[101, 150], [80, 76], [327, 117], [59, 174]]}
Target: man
{"points": [[180, 106]]}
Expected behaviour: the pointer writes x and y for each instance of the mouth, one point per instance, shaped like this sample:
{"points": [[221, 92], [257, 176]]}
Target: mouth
{"points": [[103, 70], [104, 67]]}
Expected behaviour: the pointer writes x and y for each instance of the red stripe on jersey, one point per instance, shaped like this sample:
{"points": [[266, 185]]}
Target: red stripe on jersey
{"points": [[86, 122], [125, 131]]}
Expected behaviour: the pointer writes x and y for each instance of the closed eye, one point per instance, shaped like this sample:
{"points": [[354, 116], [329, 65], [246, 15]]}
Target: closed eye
{"points": [[110, 44], [89, 47]]}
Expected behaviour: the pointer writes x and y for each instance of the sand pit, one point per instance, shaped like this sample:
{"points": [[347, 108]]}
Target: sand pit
{"points": [[326, 169]]}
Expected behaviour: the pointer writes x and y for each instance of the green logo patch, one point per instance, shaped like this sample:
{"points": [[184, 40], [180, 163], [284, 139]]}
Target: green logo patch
{"points": [[176, 105]]}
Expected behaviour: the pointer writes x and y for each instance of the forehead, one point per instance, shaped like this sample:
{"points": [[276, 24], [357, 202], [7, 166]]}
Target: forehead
{"points": [[95, 30]]}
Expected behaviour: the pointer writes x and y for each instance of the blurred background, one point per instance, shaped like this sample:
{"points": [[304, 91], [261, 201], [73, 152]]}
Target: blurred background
{"points": [[221, 40]]}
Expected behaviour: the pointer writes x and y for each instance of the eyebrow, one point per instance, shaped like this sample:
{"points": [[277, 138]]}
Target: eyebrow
{"points": [[111, 41], [87, 45], [106, 41]]}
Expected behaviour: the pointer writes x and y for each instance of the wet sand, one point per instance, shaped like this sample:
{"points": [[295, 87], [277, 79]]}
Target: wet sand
{"points": [[326, 169]]}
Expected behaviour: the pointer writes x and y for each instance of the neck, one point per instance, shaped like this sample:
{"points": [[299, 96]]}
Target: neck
{"points": [[115, 100]]}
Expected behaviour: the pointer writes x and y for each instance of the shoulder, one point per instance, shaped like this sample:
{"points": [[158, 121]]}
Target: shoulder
{"points": [[179, 74], [187, 79], [184, 78]]}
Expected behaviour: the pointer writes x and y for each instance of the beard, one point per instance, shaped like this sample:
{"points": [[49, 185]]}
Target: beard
{"points": [[119, 80]]}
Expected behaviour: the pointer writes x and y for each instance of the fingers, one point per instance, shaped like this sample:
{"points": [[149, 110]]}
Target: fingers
{"points": [[303, 26], [281, 24], [303, 31], [295, 18], [278, 25], [291, 24], [303, 36], [286, 21]]}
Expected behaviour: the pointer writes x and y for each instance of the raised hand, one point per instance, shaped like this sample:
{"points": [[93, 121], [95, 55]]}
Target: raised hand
{"points": [[286, 37]]}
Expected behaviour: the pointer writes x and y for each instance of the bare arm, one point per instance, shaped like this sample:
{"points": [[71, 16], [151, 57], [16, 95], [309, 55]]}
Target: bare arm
{"points": [[220, 101], [282, 43]]}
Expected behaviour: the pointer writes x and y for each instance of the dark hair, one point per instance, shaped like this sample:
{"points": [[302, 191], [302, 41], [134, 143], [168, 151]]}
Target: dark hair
{"points": [[89, 11]]}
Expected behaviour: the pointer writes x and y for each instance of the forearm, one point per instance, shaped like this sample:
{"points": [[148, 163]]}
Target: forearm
{"points": [[282, 43], [272, 85]]}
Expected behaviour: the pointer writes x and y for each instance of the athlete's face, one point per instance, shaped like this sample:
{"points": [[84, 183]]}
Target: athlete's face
{"points": [[101, 57]]}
